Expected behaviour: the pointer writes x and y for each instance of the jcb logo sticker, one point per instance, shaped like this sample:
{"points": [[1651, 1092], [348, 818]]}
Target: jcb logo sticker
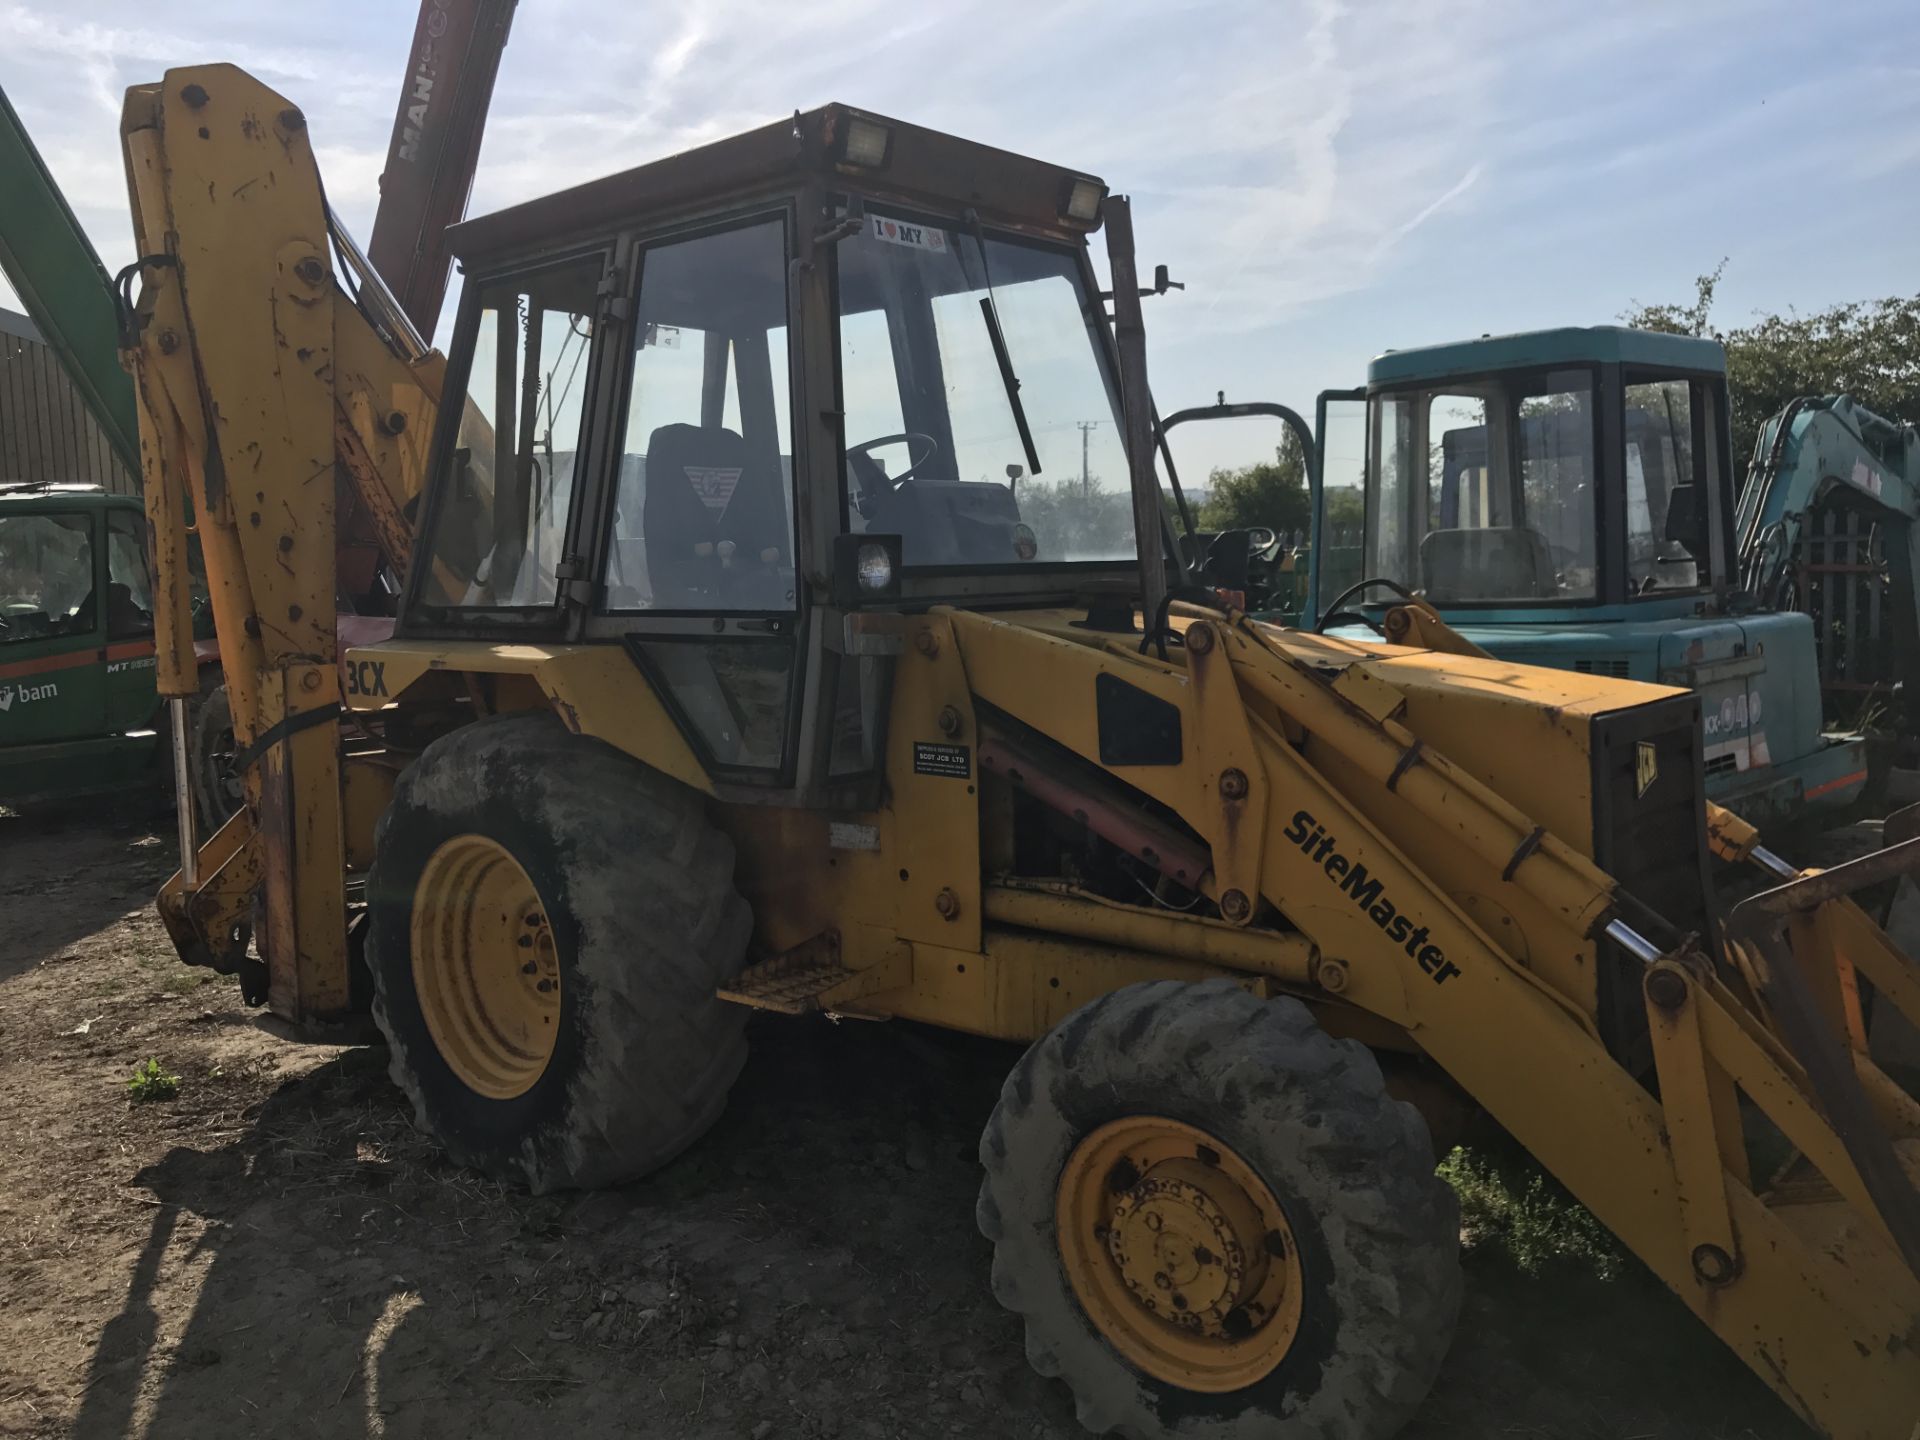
{"points": [[366, 677], [1646, 768]]}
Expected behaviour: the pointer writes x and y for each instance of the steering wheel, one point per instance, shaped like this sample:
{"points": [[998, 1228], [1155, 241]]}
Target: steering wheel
{"points": [[865, 468], [1336, 613]]}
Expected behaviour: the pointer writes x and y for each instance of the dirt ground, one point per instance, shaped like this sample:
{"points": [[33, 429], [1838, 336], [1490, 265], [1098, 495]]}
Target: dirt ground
{"points": [[275, 1251]]}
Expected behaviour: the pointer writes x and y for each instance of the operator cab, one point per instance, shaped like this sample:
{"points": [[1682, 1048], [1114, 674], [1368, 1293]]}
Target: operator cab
{"points": [[1549, 474], [711, 408], [1566, 498]]}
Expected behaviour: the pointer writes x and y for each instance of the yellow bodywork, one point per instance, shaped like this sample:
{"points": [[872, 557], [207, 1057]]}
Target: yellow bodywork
{"points": [[1401, 835], [1500, 991]]}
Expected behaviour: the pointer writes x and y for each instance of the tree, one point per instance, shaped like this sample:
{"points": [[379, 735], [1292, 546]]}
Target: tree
{"points": [[1268, 492], [1869, 349]]}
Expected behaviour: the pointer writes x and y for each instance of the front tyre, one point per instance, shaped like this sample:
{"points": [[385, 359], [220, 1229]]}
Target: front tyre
{"points": [[548, 921], [1216, 1224]]}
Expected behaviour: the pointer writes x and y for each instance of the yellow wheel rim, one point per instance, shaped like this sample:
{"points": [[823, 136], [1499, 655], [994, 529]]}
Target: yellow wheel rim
{"points": [[485, 968], [1179, 1254]]}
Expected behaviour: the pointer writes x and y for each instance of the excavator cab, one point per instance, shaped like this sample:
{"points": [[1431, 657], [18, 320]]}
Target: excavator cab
{"points": [[1567, 498], [711, 409]]}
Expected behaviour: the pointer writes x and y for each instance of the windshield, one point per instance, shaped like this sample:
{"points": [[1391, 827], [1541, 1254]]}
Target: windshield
{"points": [[934, 407], [46, 577], [1482, 491]]}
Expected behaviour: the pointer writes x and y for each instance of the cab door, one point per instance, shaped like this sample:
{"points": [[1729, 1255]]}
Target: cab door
{"points": [[130, 699], [52, 627]]}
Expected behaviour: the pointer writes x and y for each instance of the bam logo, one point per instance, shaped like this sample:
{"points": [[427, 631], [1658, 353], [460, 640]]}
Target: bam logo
{"points": [[27, 694]]}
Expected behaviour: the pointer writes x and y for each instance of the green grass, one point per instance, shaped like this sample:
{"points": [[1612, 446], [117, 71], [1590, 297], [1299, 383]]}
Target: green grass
{"points": [[183, 979], [151, 1082], [1511, 1209]]}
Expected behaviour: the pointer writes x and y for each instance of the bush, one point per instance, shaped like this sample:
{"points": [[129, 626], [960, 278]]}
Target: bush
{"points": [[1509, 1206], [150, 1082]]}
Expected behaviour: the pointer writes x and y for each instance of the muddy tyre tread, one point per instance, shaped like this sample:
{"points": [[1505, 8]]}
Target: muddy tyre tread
{"points": [[661, 926], [1388, 1225]]}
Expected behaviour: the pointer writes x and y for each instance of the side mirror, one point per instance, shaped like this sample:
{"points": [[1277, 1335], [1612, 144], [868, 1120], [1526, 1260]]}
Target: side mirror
{"points": [[866, 570]]}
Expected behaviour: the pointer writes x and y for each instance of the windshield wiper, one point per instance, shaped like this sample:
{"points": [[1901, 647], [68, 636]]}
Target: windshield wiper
{"points": [[991, 314]]}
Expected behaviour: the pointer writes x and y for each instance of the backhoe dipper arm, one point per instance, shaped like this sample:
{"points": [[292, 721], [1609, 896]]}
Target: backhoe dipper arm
{"points": [[289, 431], [1819, 449]]}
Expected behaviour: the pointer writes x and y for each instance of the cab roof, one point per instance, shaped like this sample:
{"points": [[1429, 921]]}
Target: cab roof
{"points": [[1572, 344], [916, 162], [56, 489]]}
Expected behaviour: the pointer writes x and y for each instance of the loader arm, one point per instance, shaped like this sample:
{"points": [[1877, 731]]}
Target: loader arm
{"points": [[285, 418], [1355, 832]]}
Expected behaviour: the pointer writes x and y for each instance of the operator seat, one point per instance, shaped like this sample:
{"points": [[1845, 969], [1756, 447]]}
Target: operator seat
{"points": [[1505, 562], [704, 491]]}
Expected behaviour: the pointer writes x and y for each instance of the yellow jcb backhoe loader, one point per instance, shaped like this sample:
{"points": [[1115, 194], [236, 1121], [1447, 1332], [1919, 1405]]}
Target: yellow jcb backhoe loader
{"points": [[761, 646]]}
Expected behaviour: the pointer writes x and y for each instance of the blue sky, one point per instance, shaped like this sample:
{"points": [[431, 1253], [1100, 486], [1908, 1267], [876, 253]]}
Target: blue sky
{"points": [[1329, 180]]}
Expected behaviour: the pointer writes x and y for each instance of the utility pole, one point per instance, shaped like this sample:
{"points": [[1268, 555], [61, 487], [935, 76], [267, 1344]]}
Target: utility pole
{"points": [[1086, 480]]}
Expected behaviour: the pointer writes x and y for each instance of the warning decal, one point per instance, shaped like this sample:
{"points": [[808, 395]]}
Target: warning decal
{"points": [[713, 484]]}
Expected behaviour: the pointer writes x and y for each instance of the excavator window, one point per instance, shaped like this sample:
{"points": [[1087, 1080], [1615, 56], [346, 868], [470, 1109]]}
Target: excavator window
{"points": [[1667, 549], [1482, 491], [499, 530]]}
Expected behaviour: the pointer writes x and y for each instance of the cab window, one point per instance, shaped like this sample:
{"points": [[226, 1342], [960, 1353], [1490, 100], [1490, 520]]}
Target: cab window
{"points": [[1667, 549], [46, 577], [703, 511], [500, 529], [129, 592]]}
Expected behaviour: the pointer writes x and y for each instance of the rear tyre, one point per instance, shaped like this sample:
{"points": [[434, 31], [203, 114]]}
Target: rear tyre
{"points": [[548, 920], [1216, 1224], [211, 751]]}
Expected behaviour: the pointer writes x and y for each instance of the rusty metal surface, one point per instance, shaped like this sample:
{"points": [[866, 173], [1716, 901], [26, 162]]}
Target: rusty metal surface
{"points": [[1759, 924], [435, 145], [1002, 186], [1172, 854], [1136, 400], [1815, 888]]}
